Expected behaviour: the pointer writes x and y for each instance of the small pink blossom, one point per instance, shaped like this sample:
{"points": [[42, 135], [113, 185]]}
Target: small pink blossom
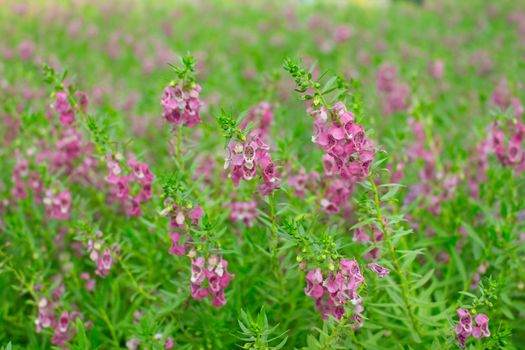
{"points": [[379, 270]]}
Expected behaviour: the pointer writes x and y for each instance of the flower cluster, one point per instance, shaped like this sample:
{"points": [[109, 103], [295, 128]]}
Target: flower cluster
{"points": [[207, 278], [62, 329], [464, 329], [394, 94], [210, 279], [206, 165], [430, 177], [502, 97], [360, 236], [26, 49], [245, 212], [181, 104], [11, 124], [349, 154], [479, 168], [245, 157], [302, 181], [71, 156], [133, 189], [26, 182], [49, 317], [180, 224], [58, 204], [512, 154], [332, 292], [64, 109], [90, 283], [102, 257], [262, 116]]}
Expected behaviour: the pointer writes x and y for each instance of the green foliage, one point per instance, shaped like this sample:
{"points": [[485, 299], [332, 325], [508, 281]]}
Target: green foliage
{"points": [[257, 334], [461, 250]]}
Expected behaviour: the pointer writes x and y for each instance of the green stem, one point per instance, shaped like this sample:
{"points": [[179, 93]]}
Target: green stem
{"points": [[138, 287], [20, 277], [393, 255], [106, 319], [356, 342], [317, 207], [335, 333], [179, 147], [323, 100], [275, 241]]}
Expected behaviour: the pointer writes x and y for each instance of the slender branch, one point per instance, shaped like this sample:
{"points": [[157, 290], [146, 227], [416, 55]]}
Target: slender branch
{"points": [[275, 241], [138, 287], [393, 255], [335, 332]]}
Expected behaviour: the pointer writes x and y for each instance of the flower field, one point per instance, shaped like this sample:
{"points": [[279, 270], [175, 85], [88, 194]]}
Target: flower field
{"points": [[262, 175]]}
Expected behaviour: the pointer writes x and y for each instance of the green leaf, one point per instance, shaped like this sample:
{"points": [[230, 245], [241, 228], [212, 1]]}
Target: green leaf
{"points": [[81, 338], [458, 263], [423, 280]]}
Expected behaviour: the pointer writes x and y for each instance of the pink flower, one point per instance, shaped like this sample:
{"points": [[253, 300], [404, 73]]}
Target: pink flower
{"points": [[134, 208], [63, 332], [139, 178], [104, 263], [82, 100], [176, 248], [503, 98], [169, 344], [482, 326], [245, 158], [379, 270], [197, 270], [26, 49], [314, 278], [245, 212], [386, 77], [342, 33], [262, 116], [360, 236], [348, 154], [196, 214], [63, 322], [436, 69], [336, 290], [181, 106], [217, 276], [90, 282], [58, 205], [64, 109], [464, 326]]}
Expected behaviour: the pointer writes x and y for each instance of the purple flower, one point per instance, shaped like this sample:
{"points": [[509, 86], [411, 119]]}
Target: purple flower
{"points": [[217, 276], [482, 326], [464, 326], [176, 248], [245, 158], [181, 106], [245, 212], [64, 109], [336, 290], [104, 263], [379, 270]]}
